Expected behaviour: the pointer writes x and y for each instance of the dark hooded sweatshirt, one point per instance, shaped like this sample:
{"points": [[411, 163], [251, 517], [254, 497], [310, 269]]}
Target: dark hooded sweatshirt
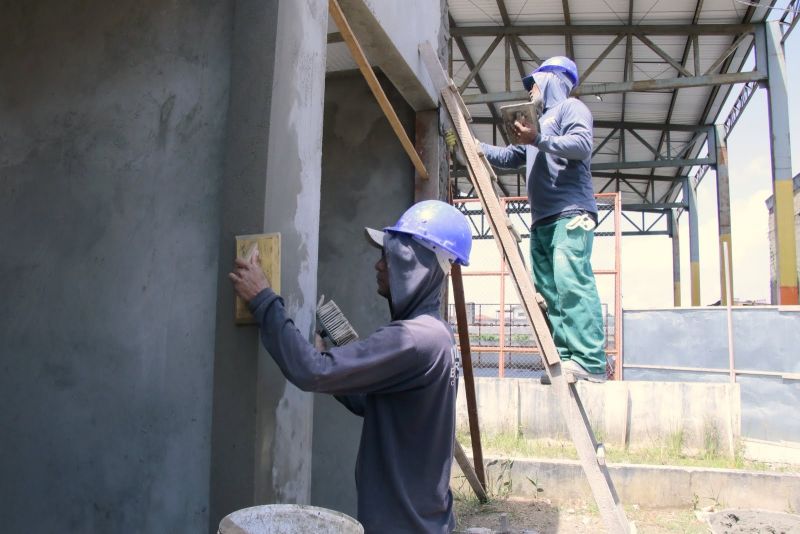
{"points": [[558, 163], [401, 380]]}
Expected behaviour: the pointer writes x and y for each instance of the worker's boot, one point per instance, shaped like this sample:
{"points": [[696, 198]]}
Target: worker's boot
{"points": [[577, 372], [573, 372]]}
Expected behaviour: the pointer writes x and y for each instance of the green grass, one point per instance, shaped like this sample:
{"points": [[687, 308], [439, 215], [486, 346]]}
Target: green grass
{"points": [[670, 452]]}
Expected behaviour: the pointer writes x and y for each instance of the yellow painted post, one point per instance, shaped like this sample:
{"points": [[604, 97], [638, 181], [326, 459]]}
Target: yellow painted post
{"points": [[676, 258], [778, 104]]}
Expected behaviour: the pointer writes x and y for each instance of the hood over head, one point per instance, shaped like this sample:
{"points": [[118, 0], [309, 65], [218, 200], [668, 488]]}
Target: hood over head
{"points": [[554, 87], [415, 278]]}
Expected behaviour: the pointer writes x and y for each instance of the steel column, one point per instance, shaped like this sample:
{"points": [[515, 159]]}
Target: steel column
{"points": [[723, 211], [778, 103], [694, 240], [676, 258]]}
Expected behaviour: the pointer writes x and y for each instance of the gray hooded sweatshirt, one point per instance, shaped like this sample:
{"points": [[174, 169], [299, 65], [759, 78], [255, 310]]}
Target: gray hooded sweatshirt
{"points": [[558, 163], [402, 380]]}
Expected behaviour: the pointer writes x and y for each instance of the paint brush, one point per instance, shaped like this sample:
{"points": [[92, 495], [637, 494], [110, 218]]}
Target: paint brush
{"points": [[332, 323]]}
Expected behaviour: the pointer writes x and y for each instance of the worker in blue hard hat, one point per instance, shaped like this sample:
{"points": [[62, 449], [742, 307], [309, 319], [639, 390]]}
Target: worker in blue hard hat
{"points": [[401, 379], [556, 154]]}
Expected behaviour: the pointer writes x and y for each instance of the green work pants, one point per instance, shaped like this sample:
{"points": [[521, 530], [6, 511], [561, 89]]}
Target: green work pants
{"points": [[562, 273]]}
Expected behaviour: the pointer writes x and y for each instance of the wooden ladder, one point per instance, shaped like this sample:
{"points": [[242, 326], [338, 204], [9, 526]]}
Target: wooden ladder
{"points": [[590, 452]]}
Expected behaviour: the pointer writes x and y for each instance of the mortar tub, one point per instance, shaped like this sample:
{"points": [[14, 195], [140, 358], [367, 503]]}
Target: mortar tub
{"points": [[288, 519]]}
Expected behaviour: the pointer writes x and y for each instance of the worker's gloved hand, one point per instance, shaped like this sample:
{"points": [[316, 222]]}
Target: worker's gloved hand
{"points": [[248, 278], [451, 140], [526, 133]]}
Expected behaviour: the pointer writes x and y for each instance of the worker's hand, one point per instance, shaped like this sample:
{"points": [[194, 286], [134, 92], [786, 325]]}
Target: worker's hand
{"points": [[319, 343], [248, 278], [526, 133]]}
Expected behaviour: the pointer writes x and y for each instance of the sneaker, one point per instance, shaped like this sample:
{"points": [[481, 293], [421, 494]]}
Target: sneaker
{"points": [[574, 372]]}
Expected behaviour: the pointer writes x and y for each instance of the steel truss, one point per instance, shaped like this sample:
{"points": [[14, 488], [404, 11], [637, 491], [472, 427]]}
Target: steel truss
{"points": [[637, 220]]}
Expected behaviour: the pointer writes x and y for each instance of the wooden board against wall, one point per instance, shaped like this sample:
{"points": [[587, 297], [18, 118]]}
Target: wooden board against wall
{"points": [[269, 250]]}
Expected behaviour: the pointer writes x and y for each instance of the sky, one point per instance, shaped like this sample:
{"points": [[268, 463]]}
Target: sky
{"points": [[647, 261]]}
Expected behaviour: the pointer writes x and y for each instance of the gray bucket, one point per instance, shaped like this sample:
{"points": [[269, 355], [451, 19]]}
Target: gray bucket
{"points": [[288, 519]]}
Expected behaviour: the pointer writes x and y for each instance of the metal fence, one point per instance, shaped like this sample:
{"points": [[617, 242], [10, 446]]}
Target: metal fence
{"points": [[501, 339]]}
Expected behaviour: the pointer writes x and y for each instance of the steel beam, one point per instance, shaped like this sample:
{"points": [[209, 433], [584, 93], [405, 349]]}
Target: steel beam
{"points": [[567, 22], [605, 29], [461, 173], [633, 125], [639, 177], [627, 125], [602, 56], [778, 104], [462, 48], [631, 86], [653, 207], [760, 65], [477, 67], [511, 41], [657, 164], [666, 57]]}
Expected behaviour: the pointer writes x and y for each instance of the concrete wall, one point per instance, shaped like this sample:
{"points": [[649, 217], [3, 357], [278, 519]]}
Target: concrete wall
{"points": [[367, 180], [651, 486], [112, 128], [623, 414], [390, 31], [765, 339]]}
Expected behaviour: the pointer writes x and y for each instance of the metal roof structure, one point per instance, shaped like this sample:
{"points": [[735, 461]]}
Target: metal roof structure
{"points": [[665, 81], [655, 74]]}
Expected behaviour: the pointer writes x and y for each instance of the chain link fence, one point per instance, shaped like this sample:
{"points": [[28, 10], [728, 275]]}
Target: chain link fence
{"points": [[502, 342]]}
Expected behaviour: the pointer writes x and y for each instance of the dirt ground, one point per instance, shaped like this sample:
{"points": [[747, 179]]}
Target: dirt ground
{"points": [[755, 521], [541, 517]]}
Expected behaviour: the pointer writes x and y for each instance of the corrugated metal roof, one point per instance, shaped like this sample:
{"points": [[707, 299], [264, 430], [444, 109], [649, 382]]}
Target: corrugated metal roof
{"points": [[690, 106]]}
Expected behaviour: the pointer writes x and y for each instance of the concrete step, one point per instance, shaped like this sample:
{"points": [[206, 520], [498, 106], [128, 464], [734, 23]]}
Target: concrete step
{"points": [[650, 486]]}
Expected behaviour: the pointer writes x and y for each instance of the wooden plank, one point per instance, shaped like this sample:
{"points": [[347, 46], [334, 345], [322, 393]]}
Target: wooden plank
{"points": [[366, 69], [269, 253], [507, 243], [469, 473], [466, 363]]}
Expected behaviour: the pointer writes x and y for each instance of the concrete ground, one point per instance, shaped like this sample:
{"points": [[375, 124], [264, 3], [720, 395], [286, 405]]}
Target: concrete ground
{"points": [[542, 517], [516, 515]]}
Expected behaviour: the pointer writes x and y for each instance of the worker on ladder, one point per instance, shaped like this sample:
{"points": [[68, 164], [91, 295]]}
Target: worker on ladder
{"points": [[557, 155], [402, 379]]}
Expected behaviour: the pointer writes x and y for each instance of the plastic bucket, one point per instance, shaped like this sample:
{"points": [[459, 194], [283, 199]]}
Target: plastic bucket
{"points": [[288, 519]]}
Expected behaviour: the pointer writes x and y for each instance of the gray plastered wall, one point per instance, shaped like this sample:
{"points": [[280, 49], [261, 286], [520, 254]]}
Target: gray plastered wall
{"points": [[112, 128]]}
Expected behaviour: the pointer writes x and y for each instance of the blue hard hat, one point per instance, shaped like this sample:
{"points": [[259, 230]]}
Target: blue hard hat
{"points": [[554, 64], [437, 225]]}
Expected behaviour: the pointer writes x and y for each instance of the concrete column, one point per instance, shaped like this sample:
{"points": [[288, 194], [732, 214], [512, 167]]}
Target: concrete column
{"points": [[778, 104], [261, 433], [676, 258], [723, 210], [690, 195], [294, 159], [429, 145]]}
